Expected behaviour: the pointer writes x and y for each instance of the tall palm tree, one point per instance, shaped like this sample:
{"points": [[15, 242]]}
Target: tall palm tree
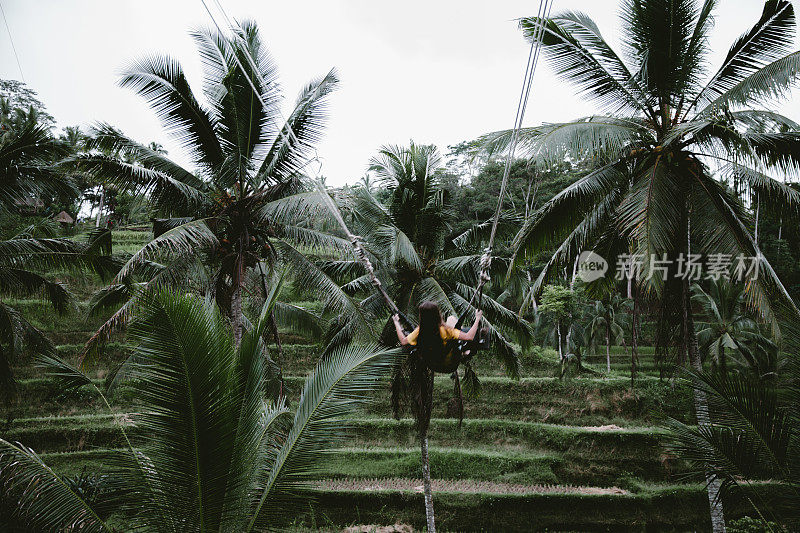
{"points": [[419, 258], [243, 204], [666, 124], [209, 453]]}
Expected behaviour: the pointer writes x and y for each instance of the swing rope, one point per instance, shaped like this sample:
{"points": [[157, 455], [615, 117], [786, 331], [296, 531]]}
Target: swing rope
{"points": [[358, 247], [486, 259], [527, 82], [356, 241]]}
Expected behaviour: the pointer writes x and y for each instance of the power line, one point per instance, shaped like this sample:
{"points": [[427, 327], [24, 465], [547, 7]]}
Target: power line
{"points": [[10, 38]]}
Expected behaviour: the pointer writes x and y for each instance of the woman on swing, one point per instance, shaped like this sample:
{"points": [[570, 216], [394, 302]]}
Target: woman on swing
{"points": [[432, 334]]}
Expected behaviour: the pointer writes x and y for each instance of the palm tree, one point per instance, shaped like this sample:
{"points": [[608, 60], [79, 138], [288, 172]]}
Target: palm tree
{"points": [[27, 154], [419, 258], [243, 205], [209, 452], [755, 437], [726, 325], [603, 323], [655, 194]]}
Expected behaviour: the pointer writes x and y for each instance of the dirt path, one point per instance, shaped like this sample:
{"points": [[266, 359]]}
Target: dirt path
{"points": [[462, 486]]}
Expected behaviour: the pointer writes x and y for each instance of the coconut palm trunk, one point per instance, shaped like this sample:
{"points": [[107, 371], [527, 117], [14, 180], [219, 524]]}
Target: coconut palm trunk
{"points": [[273, 326], [426, 483], [236, 304], [713, 484], [635, 335], [99, 208], [560, 348], [608, 341], [236, 314]]}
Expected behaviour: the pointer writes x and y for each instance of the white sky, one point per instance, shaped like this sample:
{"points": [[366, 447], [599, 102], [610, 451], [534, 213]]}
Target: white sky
{"points": [[435, 71]]}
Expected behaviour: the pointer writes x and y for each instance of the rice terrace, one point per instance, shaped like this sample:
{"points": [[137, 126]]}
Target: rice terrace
{"points": [[293, 267]]}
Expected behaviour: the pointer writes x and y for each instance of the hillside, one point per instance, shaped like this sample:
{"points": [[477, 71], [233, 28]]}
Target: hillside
{"points": [[535, 453]]}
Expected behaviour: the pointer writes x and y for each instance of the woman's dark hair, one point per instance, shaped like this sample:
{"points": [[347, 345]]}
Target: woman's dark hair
{"points": [[429, 340]]}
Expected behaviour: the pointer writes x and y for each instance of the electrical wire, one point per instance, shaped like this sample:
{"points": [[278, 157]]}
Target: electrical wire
{"points": [[10, 38]]}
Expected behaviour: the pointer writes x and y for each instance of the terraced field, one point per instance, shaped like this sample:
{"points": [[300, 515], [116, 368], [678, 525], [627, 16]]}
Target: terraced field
{"points": [[533, 453]]}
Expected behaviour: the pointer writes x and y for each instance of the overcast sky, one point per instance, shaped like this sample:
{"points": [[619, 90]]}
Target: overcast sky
{"points": [[435, 71]]}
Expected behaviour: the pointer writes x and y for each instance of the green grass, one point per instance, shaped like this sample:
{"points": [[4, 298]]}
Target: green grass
{"points": [[670, 509], [42, 315], [66, 434], [584, 401], [499, 465], [480, 449], [532, 431], [446, 463], [663, 508]]}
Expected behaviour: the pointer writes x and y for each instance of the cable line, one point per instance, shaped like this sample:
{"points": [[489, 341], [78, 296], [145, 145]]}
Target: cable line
{"points": [[10, 38]]}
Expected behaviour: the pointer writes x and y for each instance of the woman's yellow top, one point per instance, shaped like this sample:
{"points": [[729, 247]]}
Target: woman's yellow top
{"points": [[445, 333]]}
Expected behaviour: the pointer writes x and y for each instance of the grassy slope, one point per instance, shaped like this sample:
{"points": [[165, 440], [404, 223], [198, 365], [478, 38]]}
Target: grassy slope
{"points": [[533, 431]]}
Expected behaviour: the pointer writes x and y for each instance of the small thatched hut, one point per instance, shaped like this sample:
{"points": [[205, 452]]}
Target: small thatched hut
{"points": [[64, 218]]}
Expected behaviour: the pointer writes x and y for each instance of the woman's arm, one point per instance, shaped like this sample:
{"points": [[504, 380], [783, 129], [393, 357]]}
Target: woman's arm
{"points": [[399, 329], [469, 335]]}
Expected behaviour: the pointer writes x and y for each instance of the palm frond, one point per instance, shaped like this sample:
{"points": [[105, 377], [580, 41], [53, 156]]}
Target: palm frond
{"points": [[65, 253], [25, 167], [769, 39], [182, 240], [662, 39], [169, 193], [766, 293], [161, 81], [298, 319], [596, 136], [315, 240], [290, 152], [310, 275], [585, 233], [769, 83], [337, 386], [18, 337], [500, 344], [579, 66], [24, 283], [46, 501], [564, 211], [189, 351], [293, 209], [170, 276], [778, 197], [649, 214], [109, 140]]}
